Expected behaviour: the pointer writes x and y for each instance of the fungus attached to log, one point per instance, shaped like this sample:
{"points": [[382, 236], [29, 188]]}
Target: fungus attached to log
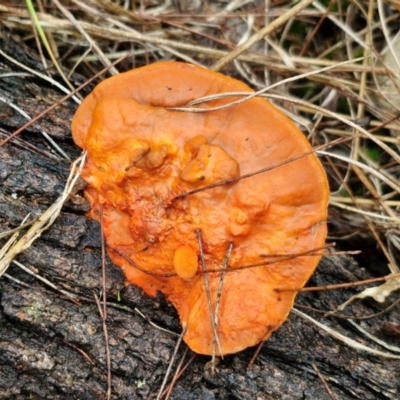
{"points": [[143, 156]]}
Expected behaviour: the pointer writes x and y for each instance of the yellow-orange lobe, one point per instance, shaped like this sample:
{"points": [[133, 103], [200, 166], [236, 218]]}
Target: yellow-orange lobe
{"points": [[185, 262]]}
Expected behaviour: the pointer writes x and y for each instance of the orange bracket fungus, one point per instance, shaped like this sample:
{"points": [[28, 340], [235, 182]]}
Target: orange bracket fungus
{"points": [[143, 157]]}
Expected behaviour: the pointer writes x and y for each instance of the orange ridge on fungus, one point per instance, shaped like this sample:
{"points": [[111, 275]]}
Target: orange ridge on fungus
{"points": [[141, 156]]}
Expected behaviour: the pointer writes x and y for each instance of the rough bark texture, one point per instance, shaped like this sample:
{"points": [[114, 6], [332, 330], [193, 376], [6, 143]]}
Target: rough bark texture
{"points": [[53, 348]]}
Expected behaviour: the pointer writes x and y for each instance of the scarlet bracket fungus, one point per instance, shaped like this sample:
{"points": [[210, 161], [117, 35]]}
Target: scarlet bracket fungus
{"points": [[142, 156]]}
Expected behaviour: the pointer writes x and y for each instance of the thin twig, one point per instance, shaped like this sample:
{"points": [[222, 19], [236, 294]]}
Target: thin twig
{"points": [[260, 171], [336, 314], [340, 285], [278, 258], [209, 299], [255, 355], [348, 341], [70, 296], [219, 293], [84, 354], [171, 363], [42, 114], [106, 345], [327, 388], [104, 298], [177, 373]]}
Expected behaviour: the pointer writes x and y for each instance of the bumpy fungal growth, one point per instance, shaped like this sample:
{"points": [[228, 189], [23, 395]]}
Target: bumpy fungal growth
{"points": [[142, 156]]}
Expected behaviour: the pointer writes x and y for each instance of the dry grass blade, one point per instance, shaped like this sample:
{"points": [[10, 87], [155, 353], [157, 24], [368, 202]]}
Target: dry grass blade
{"points": [[23, 144], [374, 338], [45, 220], [93, 44], [41, 76], [346, 285], [46, 281], [13, 238], [394, 184], [216, 342], [261, 34], [71, 94], [42, 35], [349, 342], [178, 343], [378, 293], [45, 134], [178, 373]]}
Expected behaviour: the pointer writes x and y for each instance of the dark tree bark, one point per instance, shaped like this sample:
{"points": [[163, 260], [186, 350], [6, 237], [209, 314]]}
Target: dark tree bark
{"points": [[54, 348]]}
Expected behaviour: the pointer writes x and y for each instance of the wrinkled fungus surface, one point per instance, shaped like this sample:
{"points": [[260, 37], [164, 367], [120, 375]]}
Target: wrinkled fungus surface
{"points": [[141, 156]]}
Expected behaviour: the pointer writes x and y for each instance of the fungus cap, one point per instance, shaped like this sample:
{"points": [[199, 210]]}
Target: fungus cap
{"points": [[142, 156]]}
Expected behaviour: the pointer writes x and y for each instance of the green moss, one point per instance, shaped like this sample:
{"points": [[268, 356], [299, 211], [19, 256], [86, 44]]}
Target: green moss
{"points": [[373, 152]]}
